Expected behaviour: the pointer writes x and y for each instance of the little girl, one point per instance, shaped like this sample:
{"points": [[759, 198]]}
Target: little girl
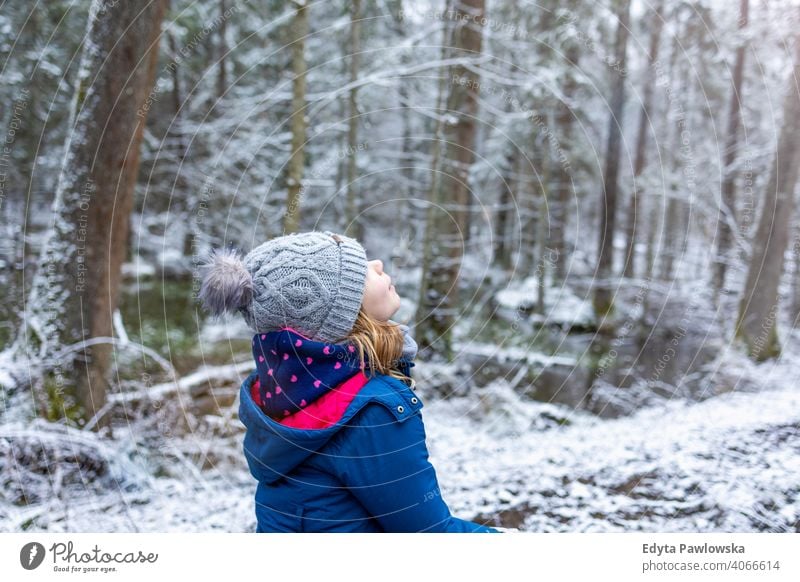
{"points": [[334, 430]]}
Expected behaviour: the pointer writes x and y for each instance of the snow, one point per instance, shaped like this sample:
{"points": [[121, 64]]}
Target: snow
{"points": [[7, 363], [728, 463], [172, 261], [138, 268], [507, 354], [562, 306], [226, 328], [119, 327]]}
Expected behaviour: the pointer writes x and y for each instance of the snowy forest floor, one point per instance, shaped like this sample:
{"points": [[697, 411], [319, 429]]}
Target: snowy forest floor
{"points": [[728, 463]]}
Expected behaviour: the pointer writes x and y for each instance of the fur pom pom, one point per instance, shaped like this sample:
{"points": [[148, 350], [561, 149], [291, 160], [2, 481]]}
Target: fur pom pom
{"points": [[227, 284]]}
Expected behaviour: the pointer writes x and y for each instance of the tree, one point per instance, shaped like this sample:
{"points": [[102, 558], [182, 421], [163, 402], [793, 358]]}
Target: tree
{"points": [[298, 118], [641, 141], [434, 191], [446, 225], [564, 185], [75, 289], [603, 303], [354, 227], [222, 47], [758, 308], [727, 215], [506, 205], [181, 190]]}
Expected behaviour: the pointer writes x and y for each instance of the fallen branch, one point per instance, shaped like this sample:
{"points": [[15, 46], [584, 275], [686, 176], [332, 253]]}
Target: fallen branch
{"points": [[12, 366], [70, 349], [206, 374]]}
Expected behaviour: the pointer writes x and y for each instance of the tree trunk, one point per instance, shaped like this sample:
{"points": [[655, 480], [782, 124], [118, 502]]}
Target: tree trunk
{"points": [[294, 182], [75, 289], [506, 209], [603, 302], [434, 194], [795, 305], [530, 193], [355, 228], [671, 230], [563, 175], [677, 228], [657, 233], [181, 190], [222, 81], [758, 308], [540, 268], [412, 214], [727, 213], [445, 230], [641, 142]]}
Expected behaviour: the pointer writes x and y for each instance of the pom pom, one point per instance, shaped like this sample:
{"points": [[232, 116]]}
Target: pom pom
{"points": [[227, 284]]}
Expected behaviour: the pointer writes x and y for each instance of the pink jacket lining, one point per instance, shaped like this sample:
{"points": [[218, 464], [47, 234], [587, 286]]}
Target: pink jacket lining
{"points": [[326, 410]]}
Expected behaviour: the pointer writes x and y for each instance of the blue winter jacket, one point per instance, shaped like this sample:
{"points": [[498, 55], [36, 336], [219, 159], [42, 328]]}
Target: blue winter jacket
{"points": [[369, 472]]}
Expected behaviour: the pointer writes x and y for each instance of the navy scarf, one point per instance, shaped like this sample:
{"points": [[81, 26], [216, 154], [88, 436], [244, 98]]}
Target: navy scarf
{"points": [[294, 371]]}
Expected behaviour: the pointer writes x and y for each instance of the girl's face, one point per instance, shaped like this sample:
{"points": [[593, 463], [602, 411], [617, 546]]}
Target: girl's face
{"points": [[380, 301]]}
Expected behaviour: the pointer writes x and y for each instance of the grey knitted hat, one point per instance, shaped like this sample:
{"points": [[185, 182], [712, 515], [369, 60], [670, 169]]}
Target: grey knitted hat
{"points": [[312, 282]]}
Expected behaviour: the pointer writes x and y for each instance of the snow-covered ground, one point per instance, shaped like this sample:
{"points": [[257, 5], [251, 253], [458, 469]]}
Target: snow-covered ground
{"points": [[729, 463]]}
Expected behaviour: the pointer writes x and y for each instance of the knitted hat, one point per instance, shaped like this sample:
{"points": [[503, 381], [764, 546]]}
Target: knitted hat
{"points": [[312, 282]]}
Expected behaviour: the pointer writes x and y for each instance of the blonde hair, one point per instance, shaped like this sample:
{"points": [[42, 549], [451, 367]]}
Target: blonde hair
{"points": [[382, 344]]}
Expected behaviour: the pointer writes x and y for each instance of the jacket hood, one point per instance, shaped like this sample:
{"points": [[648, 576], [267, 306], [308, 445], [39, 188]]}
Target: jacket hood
{"points": [[273, 450]]}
